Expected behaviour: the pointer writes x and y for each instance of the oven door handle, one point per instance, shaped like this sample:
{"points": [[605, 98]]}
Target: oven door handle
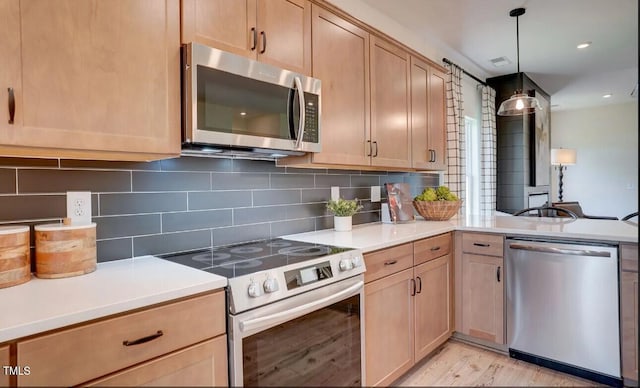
{"points": [[267, 320]]}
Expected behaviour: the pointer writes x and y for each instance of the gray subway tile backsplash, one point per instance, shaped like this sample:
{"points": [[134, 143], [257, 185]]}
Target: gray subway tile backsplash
{"points": [[132, 203], [204, 219], [7, 181], [203, 200], [60, 181], [244, 181], [276, 197], [187, 203], [125, 226], [170, 181]]}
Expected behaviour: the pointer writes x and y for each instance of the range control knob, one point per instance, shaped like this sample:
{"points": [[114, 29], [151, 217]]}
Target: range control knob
{"points": [[346, 264], [270, 285], [356, 261], [254, 289]]}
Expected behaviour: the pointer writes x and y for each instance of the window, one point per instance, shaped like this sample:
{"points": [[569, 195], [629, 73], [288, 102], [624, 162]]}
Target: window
{"points": [[472, 133]]}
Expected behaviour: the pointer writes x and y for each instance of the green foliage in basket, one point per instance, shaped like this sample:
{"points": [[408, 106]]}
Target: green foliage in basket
{"points": [[344, 207], [442, 193]]}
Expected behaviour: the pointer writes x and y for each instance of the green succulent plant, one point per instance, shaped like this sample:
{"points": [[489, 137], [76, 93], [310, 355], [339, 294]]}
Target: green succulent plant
{"points": [[344, 207]]}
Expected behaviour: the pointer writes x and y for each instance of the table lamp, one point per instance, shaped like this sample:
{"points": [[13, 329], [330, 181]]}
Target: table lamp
{"points": [[561, 158]]}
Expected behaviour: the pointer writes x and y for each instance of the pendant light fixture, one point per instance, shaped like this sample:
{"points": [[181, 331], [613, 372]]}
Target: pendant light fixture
{"points": [[520, 103]]}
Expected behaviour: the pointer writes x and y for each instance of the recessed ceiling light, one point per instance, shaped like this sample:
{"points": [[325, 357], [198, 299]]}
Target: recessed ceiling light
{"points": [[243, 113], [584, 45], [607, 96]]}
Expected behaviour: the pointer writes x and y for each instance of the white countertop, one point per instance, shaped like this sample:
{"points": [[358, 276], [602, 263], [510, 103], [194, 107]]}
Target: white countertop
{"points": [[116, 286], [371, 237]]}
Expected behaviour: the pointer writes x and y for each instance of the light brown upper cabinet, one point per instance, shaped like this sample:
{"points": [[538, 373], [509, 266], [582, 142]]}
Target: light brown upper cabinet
{"points": [[428, 115], [277, 32], [90, 79], [390, 141], [341, 62]]}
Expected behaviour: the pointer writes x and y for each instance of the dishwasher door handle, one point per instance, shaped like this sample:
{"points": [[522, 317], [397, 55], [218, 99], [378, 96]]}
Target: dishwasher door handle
{"points": [[559, 251]]}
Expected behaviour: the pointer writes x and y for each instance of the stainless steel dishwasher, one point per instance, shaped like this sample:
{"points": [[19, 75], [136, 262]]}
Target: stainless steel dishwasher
{"points": [[562, 307]]}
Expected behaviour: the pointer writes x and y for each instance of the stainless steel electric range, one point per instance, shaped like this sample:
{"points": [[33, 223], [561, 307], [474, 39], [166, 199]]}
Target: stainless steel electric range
{"points": [[295, 311]]}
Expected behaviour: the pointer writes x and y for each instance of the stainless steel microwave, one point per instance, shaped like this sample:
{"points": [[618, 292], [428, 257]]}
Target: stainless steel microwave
{"points": [[232, 102]]}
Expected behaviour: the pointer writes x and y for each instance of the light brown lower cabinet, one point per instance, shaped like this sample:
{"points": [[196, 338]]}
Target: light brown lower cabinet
{"points": [[433, 324], [629, 311], [480, 289], [202, 365], [408, 309], [159, 341], [388, 328], [4, 361]]}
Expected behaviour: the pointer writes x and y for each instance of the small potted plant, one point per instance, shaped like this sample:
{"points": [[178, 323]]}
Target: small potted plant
{"points": [[343, 210]]}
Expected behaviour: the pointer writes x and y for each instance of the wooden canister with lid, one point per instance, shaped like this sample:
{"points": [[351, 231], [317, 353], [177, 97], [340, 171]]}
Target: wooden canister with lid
{"points": [[15, 256], [65, 250]]}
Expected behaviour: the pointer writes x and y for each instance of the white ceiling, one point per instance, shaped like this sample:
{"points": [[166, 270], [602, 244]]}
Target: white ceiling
{"points": [[480, 30]]}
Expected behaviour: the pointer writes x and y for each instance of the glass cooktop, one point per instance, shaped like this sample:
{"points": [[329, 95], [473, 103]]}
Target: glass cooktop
{"points": [[245, 258]]}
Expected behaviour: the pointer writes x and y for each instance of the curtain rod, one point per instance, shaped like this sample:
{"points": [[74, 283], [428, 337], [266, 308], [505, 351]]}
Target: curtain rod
{"points": [[445, 60]]}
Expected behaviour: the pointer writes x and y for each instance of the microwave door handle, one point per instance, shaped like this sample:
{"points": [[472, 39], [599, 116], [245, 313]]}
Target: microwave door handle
{"points": [[302, 104]]}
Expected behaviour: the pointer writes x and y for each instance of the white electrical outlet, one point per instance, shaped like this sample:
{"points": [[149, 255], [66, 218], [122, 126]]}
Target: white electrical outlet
{"points": [[79, 207], [375, 193], [335, 193]]}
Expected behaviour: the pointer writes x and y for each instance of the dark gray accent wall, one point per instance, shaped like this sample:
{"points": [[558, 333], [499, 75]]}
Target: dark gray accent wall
{"points": [[187, 203]]}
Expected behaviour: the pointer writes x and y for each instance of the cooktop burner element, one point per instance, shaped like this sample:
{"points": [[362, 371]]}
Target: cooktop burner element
{"points": [[261, 272]]}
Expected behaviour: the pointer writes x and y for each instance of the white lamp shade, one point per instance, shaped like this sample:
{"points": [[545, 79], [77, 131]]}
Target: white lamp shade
{"points": [[563, 156]]}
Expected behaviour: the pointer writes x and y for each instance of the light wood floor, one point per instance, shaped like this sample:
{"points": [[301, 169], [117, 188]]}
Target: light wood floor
{"points": [[459, 364]]}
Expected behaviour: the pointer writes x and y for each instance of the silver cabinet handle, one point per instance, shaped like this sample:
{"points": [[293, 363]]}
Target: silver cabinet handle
{"points": [[260, 322], [302, 104], [560, 251]]}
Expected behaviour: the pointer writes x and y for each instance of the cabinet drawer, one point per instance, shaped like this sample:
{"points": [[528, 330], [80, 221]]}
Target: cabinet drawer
{"points": [[482, 244], [387, 261], [629, 257], [83, 353], [202, 365], [4, 361], [431, 248]]}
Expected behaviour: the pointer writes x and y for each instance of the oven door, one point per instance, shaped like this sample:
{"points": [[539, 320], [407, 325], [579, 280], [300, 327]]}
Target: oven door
{"points": [[311, 339]]}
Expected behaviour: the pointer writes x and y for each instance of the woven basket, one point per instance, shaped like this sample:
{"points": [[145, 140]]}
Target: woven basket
{"points": [[437, 210]]}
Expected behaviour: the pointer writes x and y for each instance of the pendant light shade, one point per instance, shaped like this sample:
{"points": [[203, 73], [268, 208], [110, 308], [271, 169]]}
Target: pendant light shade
{"points": [[519, 103]]}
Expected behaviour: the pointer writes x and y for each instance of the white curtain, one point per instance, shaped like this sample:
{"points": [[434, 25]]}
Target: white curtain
{"points": [[454, 177], [488, 151]]}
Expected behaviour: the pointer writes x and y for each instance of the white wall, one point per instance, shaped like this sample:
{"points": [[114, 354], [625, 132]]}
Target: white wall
{"points": [[605, 176]]}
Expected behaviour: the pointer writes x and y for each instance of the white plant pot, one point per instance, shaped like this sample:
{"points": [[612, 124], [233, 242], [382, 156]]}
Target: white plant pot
{"points": [[342, 224]]}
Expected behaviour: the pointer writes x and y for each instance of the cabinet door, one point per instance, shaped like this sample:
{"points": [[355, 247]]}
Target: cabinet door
{"points": [[99, 76], [228, 25], [388, 328], [10, 67], [284, 36], [202, 365], [483, 297], [4, 361], [341, 61], [629, 324], [432, 305], [437, 118], [390, 135], [421, 155]]}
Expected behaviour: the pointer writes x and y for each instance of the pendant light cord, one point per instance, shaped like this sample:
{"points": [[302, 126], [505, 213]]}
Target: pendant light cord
{"points": [[518, 40]]}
